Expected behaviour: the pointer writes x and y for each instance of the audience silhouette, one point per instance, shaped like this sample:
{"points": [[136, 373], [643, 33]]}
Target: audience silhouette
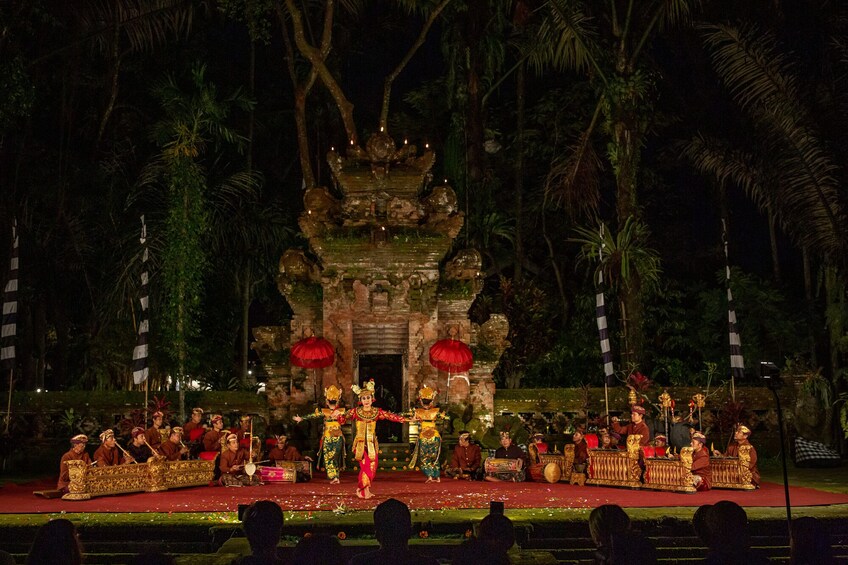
{"points": [[55, 542], [729, 537], [392, 528], [320, 549], [263, 526], [809, 543]]}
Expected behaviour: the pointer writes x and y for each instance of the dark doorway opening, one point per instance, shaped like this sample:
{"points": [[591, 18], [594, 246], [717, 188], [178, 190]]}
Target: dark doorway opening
{"points": [[387, 372]]}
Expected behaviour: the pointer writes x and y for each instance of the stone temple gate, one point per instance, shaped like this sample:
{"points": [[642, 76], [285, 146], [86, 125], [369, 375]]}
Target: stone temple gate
{"points": [[376, 284]]}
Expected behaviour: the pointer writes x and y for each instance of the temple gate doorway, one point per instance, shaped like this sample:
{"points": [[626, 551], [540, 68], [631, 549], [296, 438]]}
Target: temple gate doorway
{"points": [[387, 372]]}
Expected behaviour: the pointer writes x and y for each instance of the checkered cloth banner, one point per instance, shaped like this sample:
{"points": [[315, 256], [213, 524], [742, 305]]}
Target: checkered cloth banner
{"points": [[813, 453], [140, 369], [10, 308], [737, 363], [601, 315], [603, 332]]}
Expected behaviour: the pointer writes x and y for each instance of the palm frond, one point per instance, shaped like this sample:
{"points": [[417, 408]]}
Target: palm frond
{"points": [[565, 39]]}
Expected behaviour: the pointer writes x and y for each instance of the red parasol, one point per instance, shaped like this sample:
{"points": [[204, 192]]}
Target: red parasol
{"points": [[312, 353], [453, 356]]}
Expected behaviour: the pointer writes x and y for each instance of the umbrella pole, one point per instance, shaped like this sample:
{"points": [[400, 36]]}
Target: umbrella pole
{"points": [[9, 404], [447, 388], [606, 401]]}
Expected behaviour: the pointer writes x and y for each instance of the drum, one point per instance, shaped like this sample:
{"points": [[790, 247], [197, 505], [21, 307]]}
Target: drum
{"points": [[495, 465], [208, 455], [591, 440], [285, 473], [545, 472]]}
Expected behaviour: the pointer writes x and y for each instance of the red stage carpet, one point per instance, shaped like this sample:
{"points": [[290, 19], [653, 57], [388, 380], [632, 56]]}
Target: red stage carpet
{"points": [[408, 487]]}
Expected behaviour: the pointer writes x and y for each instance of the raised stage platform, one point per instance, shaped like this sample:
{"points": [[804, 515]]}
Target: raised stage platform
{"points": [[409, 487]]}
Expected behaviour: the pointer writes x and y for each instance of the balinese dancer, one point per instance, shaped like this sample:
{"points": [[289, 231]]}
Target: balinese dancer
{"points": [[429, 444], [332, 448], [365, 445]]}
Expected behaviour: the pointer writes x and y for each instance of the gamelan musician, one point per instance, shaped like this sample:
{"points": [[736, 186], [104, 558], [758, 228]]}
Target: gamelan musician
{"points": [[75, 453]]}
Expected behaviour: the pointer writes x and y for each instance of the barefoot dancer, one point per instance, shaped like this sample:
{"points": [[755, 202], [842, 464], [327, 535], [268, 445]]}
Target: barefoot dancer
{"points": [[332, 448], [365, 445], [429, 444]]}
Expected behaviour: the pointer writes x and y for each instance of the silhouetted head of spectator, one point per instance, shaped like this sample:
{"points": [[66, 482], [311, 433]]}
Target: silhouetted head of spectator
{"points": [[392, 523], [263, 525], [699, 523], [809, 543], [321, 549], [497, 530], [606, 520], [56, 542], [152, 558], [6, 558], [476, 552], [727, 524]]}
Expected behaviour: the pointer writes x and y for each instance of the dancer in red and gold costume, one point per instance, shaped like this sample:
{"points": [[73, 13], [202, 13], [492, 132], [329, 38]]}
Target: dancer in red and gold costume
{"points": [[365, 445]]}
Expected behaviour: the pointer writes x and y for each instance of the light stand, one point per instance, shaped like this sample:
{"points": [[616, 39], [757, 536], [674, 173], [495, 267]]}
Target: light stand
{"points": [[770, 375]]}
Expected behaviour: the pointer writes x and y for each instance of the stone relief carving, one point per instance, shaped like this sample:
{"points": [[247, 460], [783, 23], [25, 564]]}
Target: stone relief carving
{"points": [[465, 265]]}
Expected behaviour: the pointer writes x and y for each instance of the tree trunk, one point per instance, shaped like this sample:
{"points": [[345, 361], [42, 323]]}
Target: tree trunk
{"points": [[245, 321], [775, 259], [519, 170], [477, 16]]}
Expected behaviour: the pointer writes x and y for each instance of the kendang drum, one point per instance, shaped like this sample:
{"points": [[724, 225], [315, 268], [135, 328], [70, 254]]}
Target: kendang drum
{"points": [[591, 441], [545, 472], [285, 473], [504, 469]]}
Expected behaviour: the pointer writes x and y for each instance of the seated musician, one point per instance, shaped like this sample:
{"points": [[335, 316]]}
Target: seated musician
{"points": [[465, 462], [581, 451], [243, 431], [195, 423], [614, 440], [701, 472], [107, 454], [604, 439], [660, 445], [152, 434], [637, 425], [212, 438], [231, 465], [75, 453], [173, 449], [740, 439], [509, 450], [137, 449], [284, 451], [536, 448]]}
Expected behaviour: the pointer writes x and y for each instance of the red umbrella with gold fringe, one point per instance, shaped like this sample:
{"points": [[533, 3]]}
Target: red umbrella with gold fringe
{"points": [[312, 352], [453, 356]]}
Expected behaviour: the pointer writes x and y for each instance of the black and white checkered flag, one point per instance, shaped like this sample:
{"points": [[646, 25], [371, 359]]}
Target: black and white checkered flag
{"points": [[601, 315], [737, 363], [140, 369], [10, 308]]}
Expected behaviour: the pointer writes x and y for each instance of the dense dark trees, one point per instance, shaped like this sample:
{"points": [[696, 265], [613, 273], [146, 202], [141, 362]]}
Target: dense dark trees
{"points": [[549, 118]]}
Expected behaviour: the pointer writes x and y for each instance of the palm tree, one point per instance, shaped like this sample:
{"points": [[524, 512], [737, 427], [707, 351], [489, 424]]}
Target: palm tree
{"points": [[193, 121], [626, 262], [609, 42]]}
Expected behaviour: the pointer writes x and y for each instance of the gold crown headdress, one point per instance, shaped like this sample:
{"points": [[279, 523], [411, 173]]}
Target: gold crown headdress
{"points": [[332, 392], [744, 429], [367, 388], [427, 393]]}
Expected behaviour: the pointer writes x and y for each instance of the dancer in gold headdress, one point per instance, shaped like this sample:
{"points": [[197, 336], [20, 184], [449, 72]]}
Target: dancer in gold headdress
{"points": [[365, 445], [332, 448], [429, 444]]}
